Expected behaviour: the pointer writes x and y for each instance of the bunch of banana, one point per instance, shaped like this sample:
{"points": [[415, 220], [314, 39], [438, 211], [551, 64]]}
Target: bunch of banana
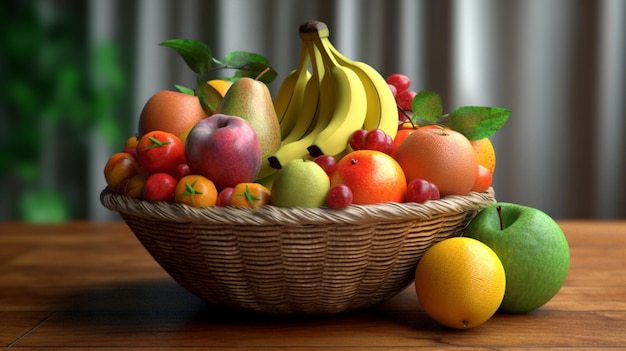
{"points": [[327, 106]]}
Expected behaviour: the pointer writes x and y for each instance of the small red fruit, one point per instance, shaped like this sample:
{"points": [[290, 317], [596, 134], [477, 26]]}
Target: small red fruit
{"points": [[339, 196], [159, 187], [418, 190], [223, 197], [357, 139], [405, 98], [181, 171], [393, 88], [400, 81], [159, 151], [375, 139], [327, 162], [434, 192]]}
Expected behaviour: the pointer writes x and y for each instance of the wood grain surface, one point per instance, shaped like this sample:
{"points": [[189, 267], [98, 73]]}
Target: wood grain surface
{"points": [[92, 286]]}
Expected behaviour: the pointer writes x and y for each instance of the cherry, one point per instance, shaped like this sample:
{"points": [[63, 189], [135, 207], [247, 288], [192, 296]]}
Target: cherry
{"points": [[224, 196], [327, 162], [339, 196], [400, 81], [181, 171]]}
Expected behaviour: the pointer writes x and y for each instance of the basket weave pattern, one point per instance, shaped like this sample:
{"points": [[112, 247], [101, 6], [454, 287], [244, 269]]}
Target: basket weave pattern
{"points": [[294, 261]]}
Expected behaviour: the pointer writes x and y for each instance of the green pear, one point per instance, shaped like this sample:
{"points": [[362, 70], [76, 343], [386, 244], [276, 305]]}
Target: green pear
{"points": [[300, 183], [251, 100]]}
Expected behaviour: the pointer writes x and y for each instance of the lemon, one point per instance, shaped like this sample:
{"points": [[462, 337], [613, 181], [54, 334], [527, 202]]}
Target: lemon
{"points": [[485, 153], [220, 85], [460, 282]]}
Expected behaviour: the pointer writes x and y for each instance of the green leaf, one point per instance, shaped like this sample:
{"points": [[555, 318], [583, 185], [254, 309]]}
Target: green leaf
{"points": [[249, 64], [185, 90], [209, 97], [426, 105], [477, 122], [238, 59], [196, 54]]}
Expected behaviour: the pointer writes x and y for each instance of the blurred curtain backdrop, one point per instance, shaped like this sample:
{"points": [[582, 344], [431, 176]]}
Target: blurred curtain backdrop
{"points": [[557, 64]]}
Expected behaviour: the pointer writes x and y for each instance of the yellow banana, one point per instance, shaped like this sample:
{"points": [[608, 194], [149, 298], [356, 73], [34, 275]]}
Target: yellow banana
{"points": [[283, 96], [382, 111], [349, 110], [289, 97], [298, 149], [308, 124], [308, 109]]}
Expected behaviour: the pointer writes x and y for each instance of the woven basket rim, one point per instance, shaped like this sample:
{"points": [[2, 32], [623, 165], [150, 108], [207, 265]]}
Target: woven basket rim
{"points": [[272, 215]]}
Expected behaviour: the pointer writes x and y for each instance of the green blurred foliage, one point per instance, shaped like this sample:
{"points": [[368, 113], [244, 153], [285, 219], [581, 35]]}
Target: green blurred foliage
{"points": [[53, 82]]}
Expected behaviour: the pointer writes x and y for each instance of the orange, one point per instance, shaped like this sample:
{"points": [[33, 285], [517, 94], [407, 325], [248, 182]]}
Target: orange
{"points": [[483, 179], [170, 111], [485, 153], [441, 156], [460, 282], [408, 125], [400, 136], [196, 191], [220, 85], [373, 177]]}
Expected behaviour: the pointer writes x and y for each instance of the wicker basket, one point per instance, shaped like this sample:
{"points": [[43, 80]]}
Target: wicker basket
{"points": [[294, 261]]}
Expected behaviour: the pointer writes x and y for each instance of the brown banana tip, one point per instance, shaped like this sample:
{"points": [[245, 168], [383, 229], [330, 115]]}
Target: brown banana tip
{"points": [[312, 26]]}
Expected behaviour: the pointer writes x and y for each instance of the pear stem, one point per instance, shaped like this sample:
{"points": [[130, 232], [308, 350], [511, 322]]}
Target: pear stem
{"points": [[499, 209], [262, 73]]}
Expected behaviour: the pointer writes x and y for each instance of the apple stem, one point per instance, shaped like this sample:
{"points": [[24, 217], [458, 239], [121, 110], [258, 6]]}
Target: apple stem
{"points": [[499, 209], [262, 73]]}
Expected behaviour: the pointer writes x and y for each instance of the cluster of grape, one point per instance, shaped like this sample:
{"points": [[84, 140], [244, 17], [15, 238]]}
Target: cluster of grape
{"points": [[399, 85]]}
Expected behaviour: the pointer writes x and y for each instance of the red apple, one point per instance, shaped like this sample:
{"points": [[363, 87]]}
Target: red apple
{"points": [[224, 149]]}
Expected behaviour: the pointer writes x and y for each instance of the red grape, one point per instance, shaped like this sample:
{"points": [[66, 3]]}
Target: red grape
{"points": [[388, 149], [418, 190], [400, 81], [405, 98], [327, 162], [393, 88], [434, 192], [339, 196], [357, 139], [375, 140]]}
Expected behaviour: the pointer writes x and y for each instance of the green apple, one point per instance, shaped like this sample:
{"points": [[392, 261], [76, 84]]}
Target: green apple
{"points": [[533, 251], [300, 183]]}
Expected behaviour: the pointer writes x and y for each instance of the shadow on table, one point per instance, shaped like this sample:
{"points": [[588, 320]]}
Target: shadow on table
{"points": [[166, 302]]}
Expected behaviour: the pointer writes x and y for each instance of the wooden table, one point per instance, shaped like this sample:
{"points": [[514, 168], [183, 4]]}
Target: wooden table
{"points": [[92, 286]]}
